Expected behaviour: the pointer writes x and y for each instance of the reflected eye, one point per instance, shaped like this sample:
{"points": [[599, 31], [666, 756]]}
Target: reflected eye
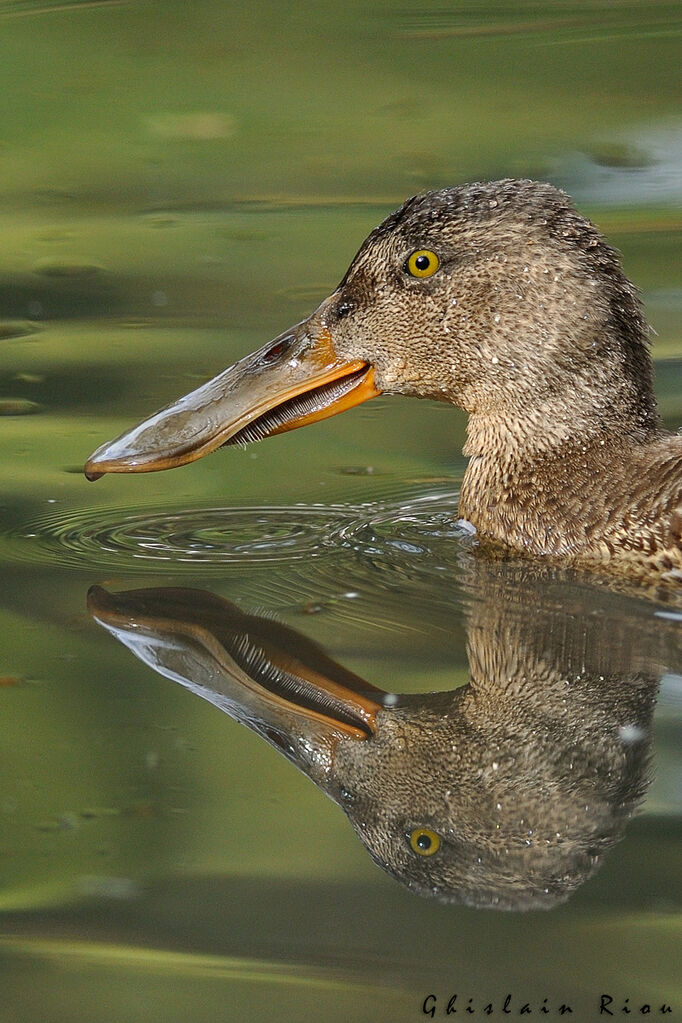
{"points": [[424, 841], [423, 263]]}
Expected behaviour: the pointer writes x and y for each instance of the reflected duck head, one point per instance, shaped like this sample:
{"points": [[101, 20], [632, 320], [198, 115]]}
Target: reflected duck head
{"points": [[499, 298], [484, 796], [484, 802]]}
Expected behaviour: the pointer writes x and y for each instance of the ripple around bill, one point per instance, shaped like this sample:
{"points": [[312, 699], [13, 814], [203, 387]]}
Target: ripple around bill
{"points": [[420, 528], [409, 534], [183, 540]]}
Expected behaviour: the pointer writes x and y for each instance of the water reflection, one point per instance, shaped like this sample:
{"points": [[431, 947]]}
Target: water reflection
{"points": [[504, 793]]}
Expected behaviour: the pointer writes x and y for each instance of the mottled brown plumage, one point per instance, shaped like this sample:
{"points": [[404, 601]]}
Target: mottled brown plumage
{"points": [[529, 324]]}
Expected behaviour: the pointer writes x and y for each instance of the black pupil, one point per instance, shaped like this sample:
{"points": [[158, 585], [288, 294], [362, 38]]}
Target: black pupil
{"points": [[424, 842], [422, 262]]}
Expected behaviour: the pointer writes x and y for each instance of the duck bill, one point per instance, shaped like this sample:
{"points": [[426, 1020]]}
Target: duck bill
{"points": [[260, 672], [292, 381]]}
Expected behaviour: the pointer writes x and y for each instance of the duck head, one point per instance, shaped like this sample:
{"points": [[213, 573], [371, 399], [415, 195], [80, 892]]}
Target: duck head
{"points": [[502, 794], [499, 298]]}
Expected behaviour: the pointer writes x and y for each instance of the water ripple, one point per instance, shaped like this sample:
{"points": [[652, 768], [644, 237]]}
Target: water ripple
{"points": [[149, 540], [214, 539], [415, 527]]}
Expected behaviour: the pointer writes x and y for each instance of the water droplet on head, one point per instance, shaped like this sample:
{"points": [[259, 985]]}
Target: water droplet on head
{"points": [[630, 734]]}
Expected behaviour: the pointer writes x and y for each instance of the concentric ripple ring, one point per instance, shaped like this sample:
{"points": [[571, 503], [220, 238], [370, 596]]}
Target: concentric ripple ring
{"points": [[418, 531], [213, 538]]}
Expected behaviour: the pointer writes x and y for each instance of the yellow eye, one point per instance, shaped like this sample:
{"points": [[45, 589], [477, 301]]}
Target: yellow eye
{"points": [[423, 263], [424, 841]]}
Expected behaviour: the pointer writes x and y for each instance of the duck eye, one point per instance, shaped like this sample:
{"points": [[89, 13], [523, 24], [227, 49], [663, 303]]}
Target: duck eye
{"points": [[424, 841], [423, 263]]}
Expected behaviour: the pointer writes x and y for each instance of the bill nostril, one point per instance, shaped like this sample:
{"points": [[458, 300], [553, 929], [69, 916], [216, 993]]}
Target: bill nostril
{"points": [[277, 350]]}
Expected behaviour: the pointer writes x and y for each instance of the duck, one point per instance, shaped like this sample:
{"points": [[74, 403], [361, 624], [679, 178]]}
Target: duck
{"points": [[505, 793], [502, 299]]}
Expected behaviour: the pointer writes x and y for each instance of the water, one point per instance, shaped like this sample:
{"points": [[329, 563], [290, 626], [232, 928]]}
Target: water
{"points": [[178, 187]]}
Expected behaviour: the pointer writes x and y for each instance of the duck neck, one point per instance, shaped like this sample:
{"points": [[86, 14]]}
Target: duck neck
{"points": [[535, 476]]}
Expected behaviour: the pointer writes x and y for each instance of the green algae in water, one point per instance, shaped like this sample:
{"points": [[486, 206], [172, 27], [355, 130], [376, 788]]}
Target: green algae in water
{"points": [[19, 407]]}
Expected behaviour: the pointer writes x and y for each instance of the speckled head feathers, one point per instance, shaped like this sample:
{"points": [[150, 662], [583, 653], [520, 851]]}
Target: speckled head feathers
{"points": [[523, 279]]}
